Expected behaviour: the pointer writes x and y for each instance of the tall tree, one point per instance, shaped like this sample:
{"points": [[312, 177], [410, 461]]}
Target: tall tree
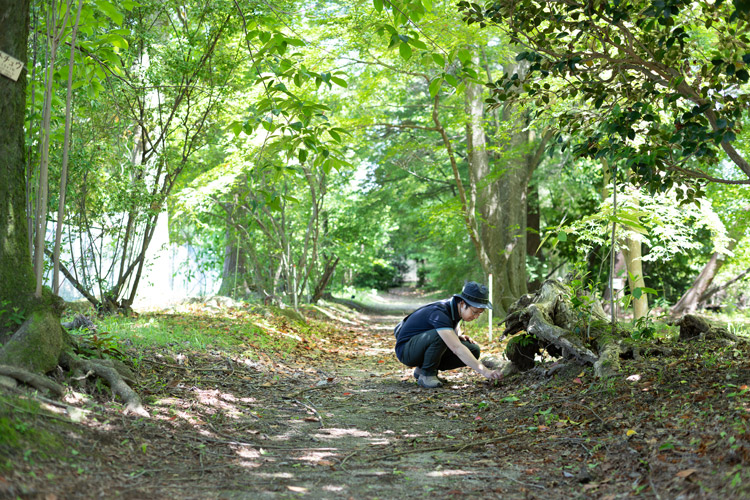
{"points": [[16, 272], [499, 189], [491, 156], [662, 84]]}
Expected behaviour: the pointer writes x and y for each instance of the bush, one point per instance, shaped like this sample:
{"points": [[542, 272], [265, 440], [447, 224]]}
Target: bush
{"points": [[380, 276]]}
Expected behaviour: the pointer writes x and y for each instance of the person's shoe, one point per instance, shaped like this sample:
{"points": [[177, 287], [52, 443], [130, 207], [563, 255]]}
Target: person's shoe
{"points": [[429, 381], [418, 371]]}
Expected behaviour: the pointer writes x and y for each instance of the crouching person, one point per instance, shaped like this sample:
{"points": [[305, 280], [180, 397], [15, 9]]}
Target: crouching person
{"points": [[430, 338]]}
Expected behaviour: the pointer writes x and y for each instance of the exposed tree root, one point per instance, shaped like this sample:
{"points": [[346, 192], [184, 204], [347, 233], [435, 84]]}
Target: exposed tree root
{"points": [[581, 333], [549, 317], [37, 381], [108, 371], [694, 327], [41, 344]]}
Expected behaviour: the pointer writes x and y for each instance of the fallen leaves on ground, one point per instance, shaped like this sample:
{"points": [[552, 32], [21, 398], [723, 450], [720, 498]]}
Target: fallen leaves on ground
{"points": [[325, 407]]}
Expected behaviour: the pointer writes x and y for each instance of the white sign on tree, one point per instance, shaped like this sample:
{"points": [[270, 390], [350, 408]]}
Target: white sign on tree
{"points": [[10, 66]]}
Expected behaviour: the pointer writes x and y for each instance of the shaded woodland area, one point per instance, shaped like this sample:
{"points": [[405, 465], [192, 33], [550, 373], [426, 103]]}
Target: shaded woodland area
{"points": [[333, 165]]}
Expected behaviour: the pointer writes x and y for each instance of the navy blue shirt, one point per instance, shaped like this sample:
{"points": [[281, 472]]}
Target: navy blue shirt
{"points": [[440, 314]]}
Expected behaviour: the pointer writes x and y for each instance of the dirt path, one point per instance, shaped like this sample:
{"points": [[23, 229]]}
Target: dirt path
{"points": [[343, 419]]}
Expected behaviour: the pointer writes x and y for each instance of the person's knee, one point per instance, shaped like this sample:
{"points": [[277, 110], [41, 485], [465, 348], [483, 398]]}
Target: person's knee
{"points": [[475, 350]]}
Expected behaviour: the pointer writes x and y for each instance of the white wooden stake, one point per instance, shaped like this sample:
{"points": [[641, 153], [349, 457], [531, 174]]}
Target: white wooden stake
{"points": [[490, 310]]}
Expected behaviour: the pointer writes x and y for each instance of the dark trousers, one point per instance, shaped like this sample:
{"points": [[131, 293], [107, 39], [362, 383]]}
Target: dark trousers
{"points": [[429, 352]]}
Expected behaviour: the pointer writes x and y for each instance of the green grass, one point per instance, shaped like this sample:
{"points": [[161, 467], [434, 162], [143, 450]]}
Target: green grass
{"points": [[186, 330], [237, 331]]}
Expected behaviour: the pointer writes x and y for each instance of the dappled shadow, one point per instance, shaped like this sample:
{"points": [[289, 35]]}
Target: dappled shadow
{"points": [[339, 417]]}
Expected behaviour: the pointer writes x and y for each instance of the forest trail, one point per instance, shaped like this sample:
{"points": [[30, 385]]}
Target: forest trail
{"points": [[339, 417]]}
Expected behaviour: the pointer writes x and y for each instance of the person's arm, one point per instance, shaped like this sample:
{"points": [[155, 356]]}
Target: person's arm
{"points": [[464, 354]]}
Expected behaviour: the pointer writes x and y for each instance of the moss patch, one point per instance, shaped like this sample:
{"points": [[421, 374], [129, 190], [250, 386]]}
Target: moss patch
{"points": [[36, 346], [23, 435]]}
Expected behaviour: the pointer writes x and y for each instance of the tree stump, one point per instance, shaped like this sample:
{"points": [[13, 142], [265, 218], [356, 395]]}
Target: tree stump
{"points": [[579, 332], [694, 327]]}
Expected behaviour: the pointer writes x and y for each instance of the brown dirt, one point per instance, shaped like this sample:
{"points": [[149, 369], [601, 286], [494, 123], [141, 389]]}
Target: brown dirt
{"points": [[340, 418]]}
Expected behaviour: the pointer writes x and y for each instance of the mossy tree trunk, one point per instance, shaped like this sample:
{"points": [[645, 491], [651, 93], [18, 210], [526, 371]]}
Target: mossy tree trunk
{"points": [[500, 168], [41, 343], [16, 272], [37, 344]]}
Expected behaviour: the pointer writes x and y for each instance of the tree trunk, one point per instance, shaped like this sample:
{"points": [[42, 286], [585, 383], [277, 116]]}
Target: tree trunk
{"points": [[37, 344], [234, 270], [632, 252], [66, 149], [16, 272], [716, 289], [688, 303], [533, 232], [330, 267], [501, 198]]}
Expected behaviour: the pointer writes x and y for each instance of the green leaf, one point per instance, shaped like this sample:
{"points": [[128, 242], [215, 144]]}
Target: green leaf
{"points": [[115, 40], [336, 137], [562, 236], [464, 56], [435, 86], [418, 44], [452, 80], [339, 81], [236, 127], [275, 204], [405, 51], [269, 126], [439, 60], [326, 166], [296, 42], [390, 29], [378, 4], [110, 11], [302, 155], [92, 92]]}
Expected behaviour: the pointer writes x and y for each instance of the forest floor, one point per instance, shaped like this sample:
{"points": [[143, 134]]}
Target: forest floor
{"points": [[334, 415]]}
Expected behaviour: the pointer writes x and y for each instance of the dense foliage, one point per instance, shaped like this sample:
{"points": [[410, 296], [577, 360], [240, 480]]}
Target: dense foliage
{"points": [[303, 148]]}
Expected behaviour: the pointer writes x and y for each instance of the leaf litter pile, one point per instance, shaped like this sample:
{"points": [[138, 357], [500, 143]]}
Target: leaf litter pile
{"points": [[276, 408]]}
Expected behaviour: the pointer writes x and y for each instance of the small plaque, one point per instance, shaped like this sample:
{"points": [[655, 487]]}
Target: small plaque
{"points": [[618, 283], [10, 66]]}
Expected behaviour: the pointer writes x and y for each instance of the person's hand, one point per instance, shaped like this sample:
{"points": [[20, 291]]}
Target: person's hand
{"points": [[493, 374], [466, 338]]}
